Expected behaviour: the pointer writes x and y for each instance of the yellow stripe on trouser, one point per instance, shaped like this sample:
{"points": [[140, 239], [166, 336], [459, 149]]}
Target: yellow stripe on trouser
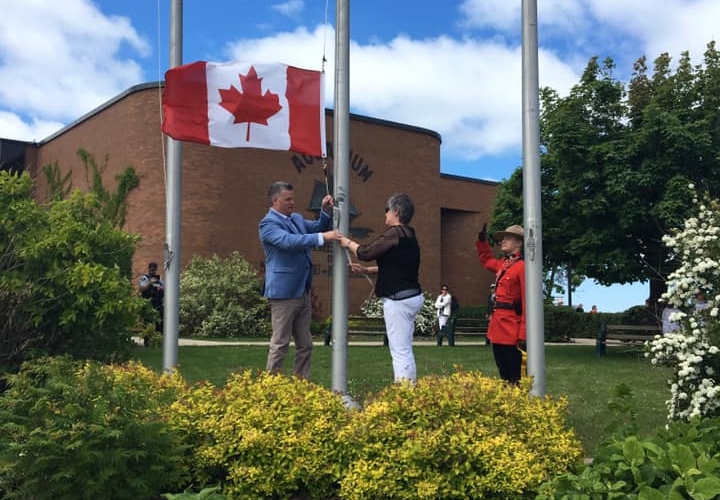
{"points": [[523, 363]]}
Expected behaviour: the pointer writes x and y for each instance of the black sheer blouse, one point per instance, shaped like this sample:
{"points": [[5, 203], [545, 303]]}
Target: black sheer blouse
{"points": [[397, 254]]}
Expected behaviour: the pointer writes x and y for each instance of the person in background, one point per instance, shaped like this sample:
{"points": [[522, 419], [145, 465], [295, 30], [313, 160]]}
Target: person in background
{"points": [[594, 309], [700, 302], [443, 305], [397, 254], [580, 308], [506, 331], [668, 324], [700, 305], [287, 240], [151, 287]]}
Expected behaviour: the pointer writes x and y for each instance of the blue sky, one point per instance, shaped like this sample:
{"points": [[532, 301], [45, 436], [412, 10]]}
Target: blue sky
{"points": [[452, 66]]}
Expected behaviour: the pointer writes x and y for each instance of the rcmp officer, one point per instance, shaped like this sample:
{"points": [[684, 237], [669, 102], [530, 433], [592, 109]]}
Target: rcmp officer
{"points": [[506, 331], [152, 288]]}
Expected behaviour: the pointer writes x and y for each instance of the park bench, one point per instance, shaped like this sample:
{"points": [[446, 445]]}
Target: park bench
{"points": [[362, 326], [631, 335], [462, 327], [367, 327]]}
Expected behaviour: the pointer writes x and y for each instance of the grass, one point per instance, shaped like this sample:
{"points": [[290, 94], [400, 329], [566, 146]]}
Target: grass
{"points": [[573, 371]]}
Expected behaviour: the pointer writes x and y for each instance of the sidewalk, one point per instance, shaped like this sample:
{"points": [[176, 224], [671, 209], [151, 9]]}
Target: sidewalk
{"points": [[428, 342]]}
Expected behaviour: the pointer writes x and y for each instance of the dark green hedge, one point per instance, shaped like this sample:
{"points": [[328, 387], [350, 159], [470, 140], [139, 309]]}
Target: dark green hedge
{"points": [[562, 322]]}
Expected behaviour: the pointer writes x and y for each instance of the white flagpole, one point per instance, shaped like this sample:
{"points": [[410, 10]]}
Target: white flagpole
{"points": [[531, 195], [341, 166], [172, 211]]}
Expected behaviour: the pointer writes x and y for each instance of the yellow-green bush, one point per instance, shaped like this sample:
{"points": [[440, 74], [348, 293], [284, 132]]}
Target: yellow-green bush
{"points": [[83, 430], [457, 437], [69, 427], [265, 436]]}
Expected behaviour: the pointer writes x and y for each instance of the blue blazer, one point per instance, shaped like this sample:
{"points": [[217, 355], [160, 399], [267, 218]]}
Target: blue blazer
{"points": [[287, 246]]}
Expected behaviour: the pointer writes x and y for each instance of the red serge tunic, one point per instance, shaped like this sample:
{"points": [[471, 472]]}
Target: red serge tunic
{"points": [[506, 326]]}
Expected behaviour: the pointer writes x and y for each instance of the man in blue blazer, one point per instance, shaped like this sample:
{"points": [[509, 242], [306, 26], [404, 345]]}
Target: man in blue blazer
{"points": [[287, 239]]}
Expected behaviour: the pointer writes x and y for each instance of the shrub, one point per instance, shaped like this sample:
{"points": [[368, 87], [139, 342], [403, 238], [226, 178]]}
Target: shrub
{"points": [[268, 436], [457, 437], [221, 298], [563, 322], [693, 350], [84, 298], [638, 315], [83, 430], [470, 311], [64, 278], [681, 461], [210, 493]]}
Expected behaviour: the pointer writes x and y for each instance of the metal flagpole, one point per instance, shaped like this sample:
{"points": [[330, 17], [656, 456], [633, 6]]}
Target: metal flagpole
{"points": [[531, 195], [341, 165], [172, 212]]}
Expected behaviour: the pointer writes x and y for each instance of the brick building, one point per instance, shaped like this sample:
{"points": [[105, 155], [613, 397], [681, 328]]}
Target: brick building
{"points": [[224, 192]]}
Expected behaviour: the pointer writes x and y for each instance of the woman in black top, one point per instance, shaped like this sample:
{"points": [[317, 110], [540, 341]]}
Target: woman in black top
{"points": [[397, 255]]}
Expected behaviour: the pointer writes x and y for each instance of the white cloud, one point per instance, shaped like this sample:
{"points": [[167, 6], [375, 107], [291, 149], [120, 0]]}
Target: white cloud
{"points": [[61, 59], [624, 29], [58, 60], [506, 17], [12, 126], [467, 90], [289, 8], [672, 26]]}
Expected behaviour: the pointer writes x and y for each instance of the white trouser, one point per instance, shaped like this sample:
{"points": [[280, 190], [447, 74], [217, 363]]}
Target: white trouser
{"points": [[400, 324], [442, 320]]}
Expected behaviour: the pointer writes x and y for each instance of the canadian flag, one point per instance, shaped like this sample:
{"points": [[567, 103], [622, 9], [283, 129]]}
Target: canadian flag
{"points": [[246, 105]]}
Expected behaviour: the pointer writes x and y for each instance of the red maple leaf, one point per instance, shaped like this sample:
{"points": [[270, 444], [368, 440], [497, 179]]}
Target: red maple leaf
{"points": [[250, 105]]}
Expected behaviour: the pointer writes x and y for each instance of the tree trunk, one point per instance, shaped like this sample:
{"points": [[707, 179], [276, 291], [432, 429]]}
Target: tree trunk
{"points": [[657, 288]]}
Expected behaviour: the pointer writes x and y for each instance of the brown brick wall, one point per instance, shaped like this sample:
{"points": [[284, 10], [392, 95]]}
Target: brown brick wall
{"points": [[224, 192]]}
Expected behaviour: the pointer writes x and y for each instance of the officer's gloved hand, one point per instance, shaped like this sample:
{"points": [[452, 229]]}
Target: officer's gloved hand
{"points": [[522, 346], [482, 235]]}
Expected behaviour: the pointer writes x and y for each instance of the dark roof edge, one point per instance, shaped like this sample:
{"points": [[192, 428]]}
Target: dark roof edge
{"points": [[154, 85], [103, 106], [468, 179], [389, 123]]}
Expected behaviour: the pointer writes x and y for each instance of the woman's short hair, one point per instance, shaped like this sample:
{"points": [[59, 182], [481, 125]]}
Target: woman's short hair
{"points": [[403, 205]]}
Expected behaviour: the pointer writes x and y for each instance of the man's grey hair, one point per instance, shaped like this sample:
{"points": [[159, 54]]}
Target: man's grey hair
{"points": [[403, 205], [276, 187]]}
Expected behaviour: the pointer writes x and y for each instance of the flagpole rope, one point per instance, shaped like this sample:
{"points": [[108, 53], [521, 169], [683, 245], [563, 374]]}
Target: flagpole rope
{"points": [[322, 69], [325, 30], [159, 80], [324, 157], [348, 255]]}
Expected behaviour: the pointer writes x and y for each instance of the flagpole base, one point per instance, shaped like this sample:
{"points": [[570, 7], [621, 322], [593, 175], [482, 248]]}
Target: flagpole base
{"points": [[350, 403]]}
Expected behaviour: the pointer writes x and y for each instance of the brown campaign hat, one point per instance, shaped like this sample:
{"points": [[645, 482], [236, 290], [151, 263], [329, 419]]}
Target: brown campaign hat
{"points": [[513, 230]]}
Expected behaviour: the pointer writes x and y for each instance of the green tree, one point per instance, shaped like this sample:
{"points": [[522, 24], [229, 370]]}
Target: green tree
{"points": [[65, 277], [615, 164], [673, 142], [19, 220], [575, 132]]}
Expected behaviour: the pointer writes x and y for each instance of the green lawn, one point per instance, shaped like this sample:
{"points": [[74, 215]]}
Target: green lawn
{"points": [[571, 370]]}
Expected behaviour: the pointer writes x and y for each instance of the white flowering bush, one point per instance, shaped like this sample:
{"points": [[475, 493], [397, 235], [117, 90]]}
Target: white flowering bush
{"points": [[692, 349], [424, 322]]}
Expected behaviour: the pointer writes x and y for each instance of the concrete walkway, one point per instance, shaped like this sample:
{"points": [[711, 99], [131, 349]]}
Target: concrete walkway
{"points": [[262, 342]]}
